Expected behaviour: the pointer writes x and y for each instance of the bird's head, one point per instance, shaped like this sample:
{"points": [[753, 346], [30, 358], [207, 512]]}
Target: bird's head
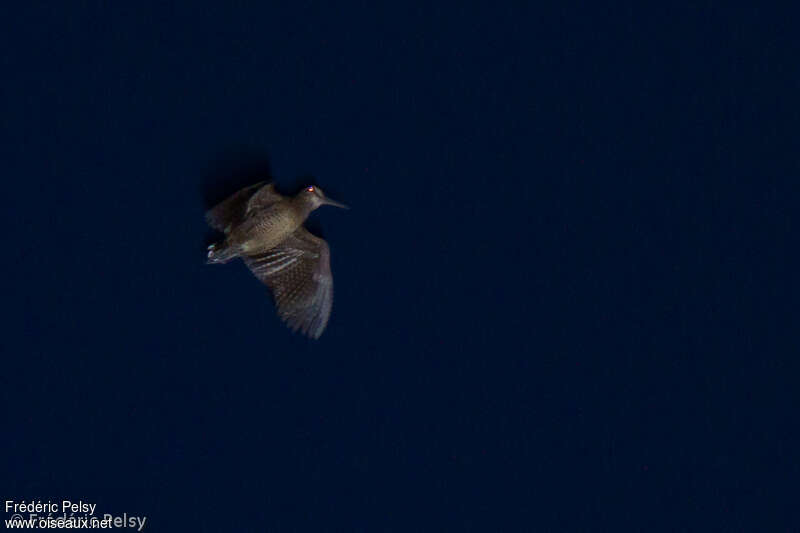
{"points": [[315, 197]]}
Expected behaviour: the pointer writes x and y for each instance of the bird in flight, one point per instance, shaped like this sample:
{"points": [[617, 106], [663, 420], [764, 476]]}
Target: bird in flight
{"points": [[266, 230]]}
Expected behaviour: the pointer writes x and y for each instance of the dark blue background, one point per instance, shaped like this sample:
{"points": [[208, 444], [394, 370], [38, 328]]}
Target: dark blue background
{"points": [[563, 292]]}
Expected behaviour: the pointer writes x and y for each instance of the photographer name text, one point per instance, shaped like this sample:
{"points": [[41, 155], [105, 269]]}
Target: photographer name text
{"points": [[38, 506]]}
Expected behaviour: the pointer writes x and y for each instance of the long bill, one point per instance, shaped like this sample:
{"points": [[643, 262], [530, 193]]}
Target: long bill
{"points": [[334, 203]]}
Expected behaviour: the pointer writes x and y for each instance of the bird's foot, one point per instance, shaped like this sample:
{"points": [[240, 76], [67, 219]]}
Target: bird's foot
{"points": [[212, 249], [219, 253]]}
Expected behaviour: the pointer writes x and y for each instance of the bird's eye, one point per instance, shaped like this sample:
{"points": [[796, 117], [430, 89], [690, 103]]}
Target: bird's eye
{"points": [[310, 189]]}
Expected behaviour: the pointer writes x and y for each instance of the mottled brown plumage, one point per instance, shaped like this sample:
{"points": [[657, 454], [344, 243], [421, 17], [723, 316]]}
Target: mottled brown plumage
{"points": [[266, 230]]}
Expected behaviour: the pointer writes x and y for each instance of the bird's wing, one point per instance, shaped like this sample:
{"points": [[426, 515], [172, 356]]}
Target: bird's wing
{"points": [[265, 197], [232, 210], [298, 271]]}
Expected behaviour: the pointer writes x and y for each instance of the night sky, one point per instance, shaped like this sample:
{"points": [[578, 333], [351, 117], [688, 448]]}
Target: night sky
{"points": [[564, 294]]}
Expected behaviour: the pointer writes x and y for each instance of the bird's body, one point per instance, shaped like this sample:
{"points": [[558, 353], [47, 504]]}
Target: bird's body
{"points": [[266, 230]]}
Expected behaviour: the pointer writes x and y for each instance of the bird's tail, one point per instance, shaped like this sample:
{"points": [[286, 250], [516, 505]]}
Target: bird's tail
{"points": [[221, 253]]}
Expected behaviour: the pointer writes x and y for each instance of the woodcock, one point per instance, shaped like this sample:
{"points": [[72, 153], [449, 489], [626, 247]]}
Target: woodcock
{"points": [[266, 230]]}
